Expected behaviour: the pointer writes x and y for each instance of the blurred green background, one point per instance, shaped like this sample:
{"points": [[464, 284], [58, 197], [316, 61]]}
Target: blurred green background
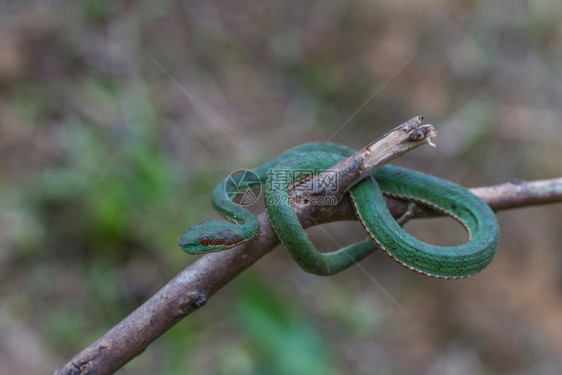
{"points": [[117, 119]]}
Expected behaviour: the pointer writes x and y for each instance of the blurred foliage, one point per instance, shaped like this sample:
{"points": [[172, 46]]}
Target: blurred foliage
{"points": [[284, 342], [118, 118]]}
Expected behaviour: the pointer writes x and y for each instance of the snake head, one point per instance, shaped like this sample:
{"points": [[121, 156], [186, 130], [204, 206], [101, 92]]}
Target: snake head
{"points": [[211, 236]]}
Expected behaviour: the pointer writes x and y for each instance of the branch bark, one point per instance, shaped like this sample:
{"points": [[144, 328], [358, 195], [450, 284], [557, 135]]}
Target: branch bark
{"points": [[192, 287]]}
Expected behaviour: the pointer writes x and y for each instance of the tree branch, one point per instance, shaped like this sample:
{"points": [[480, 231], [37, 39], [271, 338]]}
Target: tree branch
{"points": [[192, 287]]}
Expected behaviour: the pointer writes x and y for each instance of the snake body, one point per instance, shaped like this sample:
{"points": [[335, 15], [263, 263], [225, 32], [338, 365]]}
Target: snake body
{"points": [[367, 198]]}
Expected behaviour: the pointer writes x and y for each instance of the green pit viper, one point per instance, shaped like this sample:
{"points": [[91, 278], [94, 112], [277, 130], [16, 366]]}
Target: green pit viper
{"points": [[367, 198]]}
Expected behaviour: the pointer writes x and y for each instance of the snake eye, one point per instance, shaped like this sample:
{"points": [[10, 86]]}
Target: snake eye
{"points": [[417, 135], [205, 241]]}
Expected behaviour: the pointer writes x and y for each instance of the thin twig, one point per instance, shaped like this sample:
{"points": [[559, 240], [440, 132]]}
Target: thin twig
{"points": [[192, 287]]}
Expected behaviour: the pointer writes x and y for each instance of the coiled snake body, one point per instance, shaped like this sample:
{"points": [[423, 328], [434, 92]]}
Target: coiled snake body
{"points": [[368, 201]]}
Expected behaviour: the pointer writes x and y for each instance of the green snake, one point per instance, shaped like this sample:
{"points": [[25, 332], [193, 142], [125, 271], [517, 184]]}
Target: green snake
{"points": [[367, 198]]}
